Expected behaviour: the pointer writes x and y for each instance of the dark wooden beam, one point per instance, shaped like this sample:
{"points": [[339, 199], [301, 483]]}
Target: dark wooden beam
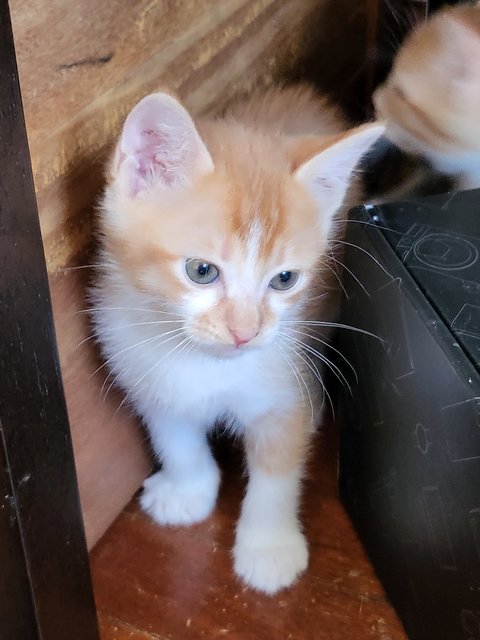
{"points": [[45, 579]]}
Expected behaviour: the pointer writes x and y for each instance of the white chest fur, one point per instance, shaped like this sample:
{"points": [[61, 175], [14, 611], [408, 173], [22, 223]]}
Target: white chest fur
{"points": [[157, 369]]}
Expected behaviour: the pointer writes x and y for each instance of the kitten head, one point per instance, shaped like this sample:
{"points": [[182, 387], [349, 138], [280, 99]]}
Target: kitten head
{"points": [[431, 99], [222, 224]]}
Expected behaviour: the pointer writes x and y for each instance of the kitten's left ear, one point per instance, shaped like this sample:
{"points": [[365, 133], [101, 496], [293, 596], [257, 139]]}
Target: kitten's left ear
{"points": [[159, 145], [327, 175]]}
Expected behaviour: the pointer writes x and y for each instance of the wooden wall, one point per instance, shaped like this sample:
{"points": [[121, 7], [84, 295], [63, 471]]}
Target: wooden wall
{"points": [[83, 64]]}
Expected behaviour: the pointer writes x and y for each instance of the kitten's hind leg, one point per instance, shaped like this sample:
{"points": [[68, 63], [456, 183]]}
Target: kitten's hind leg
{"points": [[270, 549], [186, 488]]}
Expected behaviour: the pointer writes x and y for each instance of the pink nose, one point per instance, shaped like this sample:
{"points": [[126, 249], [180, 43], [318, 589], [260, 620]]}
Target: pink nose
{"points": [[242, 336]]}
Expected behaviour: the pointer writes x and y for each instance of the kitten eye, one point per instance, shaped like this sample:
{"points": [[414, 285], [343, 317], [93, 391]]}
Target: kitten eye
{"points": [[200, 271], [284, 280]]}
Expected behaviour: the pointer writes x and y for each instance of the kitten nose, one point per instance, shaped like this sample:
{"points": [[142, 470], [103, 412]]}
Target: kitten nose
{"points": [[242, 336]]}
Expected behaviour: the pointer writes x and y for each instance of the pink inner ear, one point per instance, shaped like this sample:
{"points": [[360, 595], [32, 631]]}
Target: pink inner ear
{"points": [[161, 139], [157, 156]]}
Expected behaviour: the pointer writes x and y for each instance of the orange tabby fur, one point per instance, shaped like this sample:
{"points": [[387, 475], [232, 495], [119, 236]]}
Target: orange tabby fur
{"points": [[431, 99], [251, 188], [255, 195]]}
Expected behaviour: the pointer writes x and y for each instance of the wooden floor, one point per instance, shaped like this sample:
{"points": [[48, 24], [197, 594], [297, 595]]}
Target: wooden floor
{"points": [[154, 583]]}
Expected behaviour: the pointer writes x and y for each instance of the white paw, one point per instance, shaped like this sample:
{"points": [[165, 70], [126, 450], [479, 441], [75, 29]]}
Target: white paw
{"points": [[270, 561], [184, 502]]}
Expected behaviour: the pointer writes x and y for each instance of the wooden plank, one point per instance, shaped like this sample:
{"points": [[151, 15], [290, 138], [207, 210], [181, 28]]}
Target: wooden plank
{"points": [[94, 46], [172, 582], [35, 436], [113, 629], [17, 614]]}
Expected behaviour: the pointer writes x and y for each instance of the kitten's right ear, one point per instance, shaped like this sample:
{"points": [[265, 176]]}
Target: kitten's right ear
{"points": [[159, 145]]}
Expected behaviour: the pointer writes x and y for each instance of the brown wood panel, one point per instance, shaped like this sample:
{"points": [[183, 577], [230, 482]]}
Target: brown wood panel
{"points": [[114, 629], [93, 46], [111, 453], [154, 582]]}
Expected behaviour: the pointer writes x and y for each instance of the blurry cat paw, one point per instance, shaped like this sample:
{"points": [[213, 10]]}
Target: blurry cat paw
{"points": [[180, 503], [270, 561]]}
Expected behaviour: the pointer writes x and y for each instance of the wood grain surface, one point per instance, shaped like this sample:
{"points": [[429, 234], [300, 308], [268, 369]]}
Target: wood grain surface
{"points": [[153, 582]]}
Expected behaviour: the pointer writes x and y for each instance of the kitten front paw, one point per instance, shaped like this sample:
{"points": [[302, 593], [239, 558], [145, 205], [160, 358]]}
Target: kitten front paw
{"points": [[180, 503], [270, 561]]}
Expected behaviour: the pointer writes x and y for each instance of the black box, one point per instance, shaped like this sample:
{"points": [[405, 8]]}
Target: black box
{"points": [[410, 428]]}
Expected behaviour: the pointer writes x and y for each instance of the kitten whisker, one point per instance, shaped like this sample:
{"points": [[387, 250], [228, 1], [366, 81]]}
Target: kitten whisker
{"points": [[193, 343], [375, 226], [125, 326], [116, 366], [90, 309], [310, 364], [133, 346], [325, 392], [392, 42], [330, 346], [339, 262], [313, 368], [332, 269], [334, 325], [333, 367], [355, 246], [406, 19], [85, 266], [110, 386], [322, 295], [298, 376], [113, 375], [184, 342]]}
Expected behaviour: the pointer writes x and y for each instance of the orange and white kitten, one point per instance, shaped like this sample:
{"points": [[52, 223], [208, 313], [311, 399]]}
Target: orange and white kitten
{"points": [[213, 236], [431, 99]]}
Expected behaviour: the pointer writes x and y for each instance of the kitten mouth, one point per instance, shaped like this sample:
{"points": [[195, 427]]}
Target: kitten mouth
{"points": [[226, 351], [230, 351]]}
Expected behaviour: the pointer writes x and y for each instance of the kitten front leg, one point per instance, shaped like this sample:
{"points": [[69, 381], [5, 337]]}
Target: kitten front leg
{"points": [[270, 549], [185, 490]]}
